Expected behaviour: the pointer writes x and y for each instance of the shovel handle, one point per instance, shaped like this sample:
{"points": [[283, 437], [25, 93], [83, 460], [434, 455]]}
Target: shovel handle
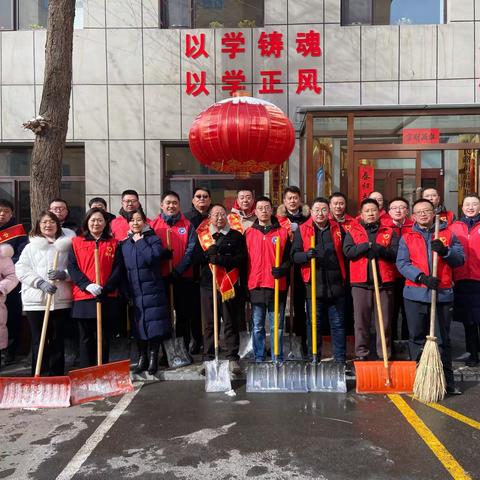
{"points": [[99, 306], [276, 291], [46, 315], [433, 307], [380, 320], [313, 277], [170, 288], [215, 309]]}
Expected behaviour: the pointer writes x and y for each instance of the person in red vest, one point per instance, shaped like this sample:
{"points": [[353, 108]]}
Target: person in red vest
{"points": [[242, 214], [366, 241], [466, 298], [220, 245], [182, 238], [86, 291], [119, 225], [338, 208], [399, 221], [432, 195], [14, 234], [331, 274], [291, 214], [261, 239], [414, 262]]}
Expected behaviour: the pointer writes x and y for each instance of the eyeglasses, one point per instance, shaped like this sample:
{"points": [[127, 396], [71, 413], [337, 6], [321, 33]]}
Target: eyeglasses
{"points": [[57, 209], [218, 215], [5, 210], [130, 202], [423, 212], [264, 209], [319, 210], [398, 208], [201, 196]]}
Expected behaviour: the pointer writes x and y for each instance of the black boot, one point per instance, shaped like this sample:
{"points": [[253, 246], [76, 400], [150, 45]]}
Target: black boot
{"points": [[153, 347], [142, 363]]}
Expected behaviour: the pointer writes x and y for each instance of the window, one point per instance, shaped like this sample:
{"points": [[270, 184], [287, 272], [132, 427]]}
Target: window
{"points": [[392, 12], [211, 13], [31, 14]]}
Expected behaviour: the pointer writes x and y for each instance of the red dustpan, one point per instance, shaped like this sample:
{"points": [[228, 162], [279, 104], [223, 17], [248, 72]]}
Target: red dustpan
{"points": [[100, 381], [36, 392]]}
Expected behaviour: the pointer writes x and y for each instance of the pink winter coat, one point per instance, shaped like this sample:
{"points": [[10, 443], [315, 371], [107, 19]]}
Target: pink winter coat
{"points": [[8, 281]]}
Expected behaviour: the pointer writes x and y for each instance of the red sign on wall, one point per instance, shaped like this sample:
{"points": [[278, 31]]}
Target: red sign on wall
{"points": [[366, 178], [421, 135]]}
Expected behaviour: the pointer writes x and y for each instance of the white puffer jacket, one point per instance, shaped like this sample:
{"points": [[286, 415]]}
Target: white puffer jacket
{"points": [[33, 266]]}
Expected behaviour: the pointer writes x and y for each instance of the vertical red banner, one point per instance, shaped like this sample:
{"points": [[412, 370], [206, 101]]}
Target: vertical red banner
{"points": [[366, 178]]}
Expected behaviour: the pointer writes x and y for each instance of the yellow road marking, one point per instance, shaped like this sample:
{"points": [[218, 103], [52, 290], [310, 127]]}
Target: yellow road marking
{"points": [[454, 414], [439, 450]]}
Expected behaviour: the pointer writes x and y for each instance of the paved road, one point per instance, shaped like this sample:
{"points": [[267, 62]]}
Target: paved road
{"points": [[174, 430]]}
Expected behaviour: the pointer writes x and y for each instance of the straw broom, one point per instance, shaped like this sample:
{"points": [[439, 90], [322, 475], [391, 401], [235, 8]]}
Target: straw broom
{"points": [[429, 383]]}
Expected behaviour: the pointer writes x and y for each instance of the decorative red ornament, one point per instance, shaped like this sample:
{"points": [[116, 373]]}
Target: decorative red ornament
{"points": [[242, 135]]}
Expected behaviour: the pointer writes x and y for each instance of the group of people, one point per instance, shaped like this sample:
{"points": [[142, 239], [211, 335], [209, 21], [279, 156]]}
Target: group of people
{"points": [[140, 259]]}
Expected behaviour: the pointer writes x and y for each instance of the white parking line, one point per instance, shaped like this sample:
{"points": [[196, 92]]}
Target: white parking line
{"points": [[97, 436]]}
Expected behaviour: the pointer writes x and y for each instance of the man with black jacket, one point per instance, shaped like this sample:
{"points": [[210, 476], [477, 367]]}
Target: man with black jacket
{"points": [[365, 241], [201, 204], [218, 244], [330, 274]]}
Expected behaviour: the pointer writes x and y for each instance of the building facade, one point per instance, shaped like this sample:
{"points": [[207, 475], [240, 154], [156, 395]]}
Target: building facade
{"points": [[383, 94]]}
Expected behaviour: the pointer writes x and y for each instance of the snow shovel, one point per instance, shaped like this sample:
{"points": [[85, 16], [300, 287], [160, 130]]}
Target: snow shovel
{"points": [[217, 374], [276, 376], [37, 392], [322, 376], [294, 343], [384, 376], [177, 355], [246, 343], [100, 381]]}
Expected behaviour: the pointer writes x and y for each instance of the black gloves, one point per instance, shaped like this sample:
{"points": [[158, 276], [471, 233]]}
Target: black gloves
{"points": [[279, 272], [174, 275], [438, 246], [312, 253], [372, 253], [212, 250], [428, 281], [167, 254]]}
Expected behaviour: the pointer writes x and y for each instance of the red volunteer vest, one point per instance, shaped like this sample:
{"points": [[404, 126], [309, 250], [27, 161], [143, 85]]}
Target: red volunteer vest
{"points": [[85, 254], [387, 221], [307, 230], [417, 250], [447, 216], [346, 225], [470, 270], [261, 257], [359, 267], [12, 232], [178, 242]]}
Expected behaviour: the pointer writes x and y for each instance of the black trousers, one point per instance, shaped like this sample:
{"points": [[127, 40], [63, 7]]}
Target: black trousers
{"points": [[88, 340], [418, 317], [230, 312], [299, 304], [399, 308], [14, 319], [53, 361]]}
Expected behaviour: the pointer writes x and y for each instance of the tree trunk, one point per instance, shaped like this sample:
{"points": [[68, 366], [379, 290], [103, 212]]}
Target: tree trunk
{"points": [[46, 164]]}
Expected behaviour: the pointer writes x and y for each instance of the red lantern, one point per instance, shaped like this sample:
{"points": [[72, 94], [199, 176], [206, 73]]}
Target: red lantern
{"points": [[242, 135]]}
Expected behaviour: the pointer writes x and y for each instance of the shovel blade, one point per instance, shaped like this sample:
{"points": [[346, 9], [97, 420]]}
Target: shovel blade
{"points": [[246, 345], [371, 377], [95, 383], [326, 377], [177, 355], [293, 352], [217, 376], [34, 392], [277, 377]]}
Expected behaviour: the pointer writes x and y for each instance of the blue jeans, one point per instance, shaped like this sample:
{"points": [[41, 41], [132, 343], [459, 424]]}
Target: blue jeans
{"points": [[336, 315], [258, 331]]}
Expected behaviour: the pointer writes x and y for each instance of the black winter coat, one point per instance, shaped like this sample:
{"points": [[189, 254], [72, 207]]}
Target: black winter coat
{"points": [[145, 286]]}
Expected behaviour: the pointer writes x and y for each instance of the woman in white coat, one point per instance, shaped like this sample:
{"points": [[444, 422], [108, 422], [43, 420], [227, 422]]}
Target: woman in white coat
{"points": [[35, 270], [8, 281]]}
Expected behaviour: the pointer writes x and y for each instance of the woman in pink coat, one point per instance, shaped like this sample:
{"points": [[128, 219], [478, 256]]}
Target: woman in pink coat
{"points": [[8, 281]]}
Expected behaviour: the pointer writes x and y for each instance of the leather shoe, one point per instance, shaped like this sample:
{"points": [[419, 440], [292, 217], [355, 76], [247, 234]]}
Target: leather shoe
{"points": [[360, 359], [453, 391]]}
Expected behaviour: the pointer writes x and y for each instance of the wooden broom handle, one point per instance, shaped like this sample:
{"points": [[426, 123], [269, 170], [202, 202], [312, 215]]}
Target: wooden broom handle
{"points": [[99, 307], [215, 309], [276, 292], [46, 315], [433, 308], [313, 290]]}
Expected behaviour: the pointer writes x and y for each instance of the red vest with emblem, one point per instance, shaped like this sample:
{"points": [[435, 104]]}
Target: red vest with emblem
{"points": [[387, 221], [85, 254], [178, 242], [261, 257], [470, 270], [446, 216], [359, 267], [307, 230], [417, 249], [346, 225]]}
